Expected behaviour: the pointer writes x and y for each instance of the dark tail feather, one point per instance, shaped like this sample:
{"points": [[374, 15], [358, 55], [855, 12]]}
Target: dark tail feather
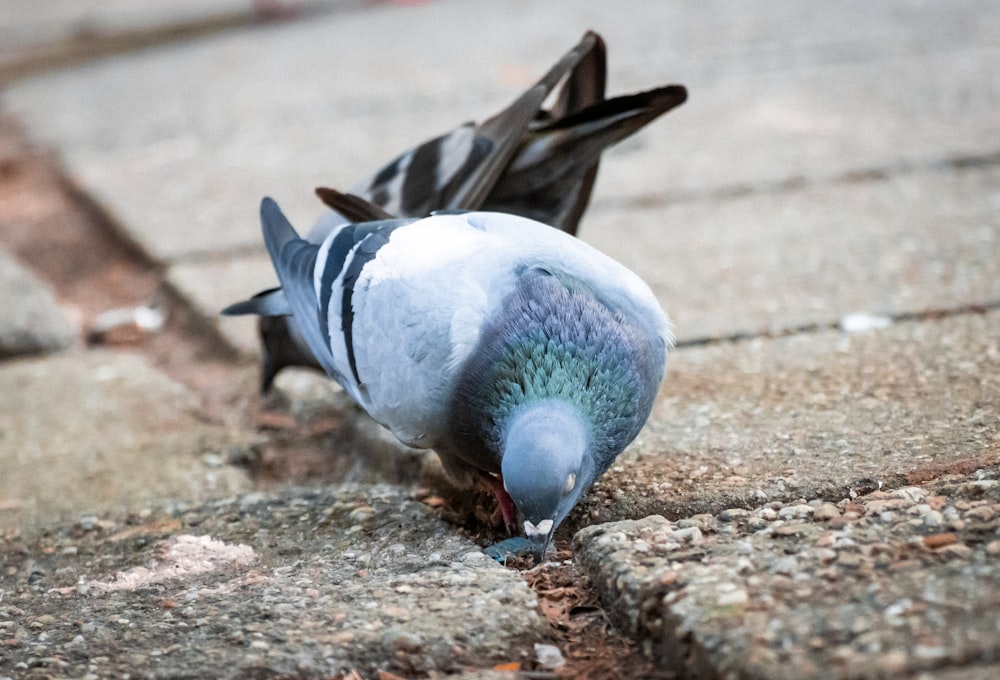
{"points": [[574, 143], [636, 109], [587, 82], [506, 129], [295, 261], [266, 303], [550, 180], [279, 350], [354, 208], [584, 87]]}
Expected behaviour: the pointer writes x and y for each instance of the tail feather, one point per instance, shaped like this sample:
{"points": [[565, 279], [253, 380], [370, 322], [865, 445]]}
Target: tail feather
{"points": [[584, 87], [562, 153], [266, 303], [506, 129]]}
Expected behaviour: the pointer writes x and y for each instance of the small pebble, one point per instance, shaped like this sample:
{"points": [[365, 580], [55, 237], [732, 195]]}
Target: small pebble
{"points": [[401, 641], [732, 514], [935, 541], [983, 513], [365, 512], [825, 555], [825, 512], [690, 535], [954, 550], [733, 598], [787, 565], [548, 656], [850, 560], [703, 521], [795, 512], [767, 514]]}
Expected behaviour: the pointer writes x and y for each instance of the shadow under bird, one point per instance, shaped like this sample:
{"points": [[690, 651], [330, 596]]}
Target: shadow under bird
{"points": [[518, 353], [526, 160]]}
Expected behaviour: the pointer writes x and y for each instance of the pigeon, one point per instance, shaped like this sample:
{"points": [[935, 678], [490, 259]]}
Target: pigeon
{"points": [[526, 160], [521, 355]]}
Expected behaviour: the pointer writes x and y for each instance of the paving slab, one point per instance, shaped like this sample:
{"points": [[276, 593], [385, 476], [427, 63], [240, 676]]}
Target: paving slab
{"points": [[295, 583], [181, 142], [773, 261], [86, 432], [814, 416], [32, 320], [885, 585], [27, 24]]}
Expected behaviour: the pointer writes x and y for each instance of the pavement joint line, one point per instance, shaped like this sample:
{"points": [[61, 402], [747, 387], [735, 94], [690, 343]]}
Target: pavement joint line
{"points": [[204, 256], [104, 219], [89, 46], [932, 314], [801, 182]]}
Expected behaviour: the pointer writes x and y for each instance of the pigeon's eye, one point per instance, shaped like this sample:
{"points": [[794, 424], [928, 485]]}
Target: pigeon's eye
{"points": [[570, 483]]}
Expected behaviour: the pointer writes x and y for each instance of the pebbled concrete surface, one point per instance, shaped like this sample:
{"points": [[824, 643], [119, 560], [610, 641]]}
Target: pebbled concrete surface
{"points": [[805, 502], [299, 583], [886, 584]]}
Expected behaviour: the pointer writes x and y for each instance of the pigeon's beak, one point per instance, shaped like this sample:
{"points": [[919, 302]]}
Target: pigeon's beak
{"points": [[539, 544], [540, 535]]}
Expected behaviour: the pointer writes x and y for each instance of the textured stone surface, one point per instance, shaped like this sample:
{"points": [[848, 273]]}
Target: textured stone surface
{"points": [[882, 585], [299, 583], [831, 497], [31, 29], [32, 322]]}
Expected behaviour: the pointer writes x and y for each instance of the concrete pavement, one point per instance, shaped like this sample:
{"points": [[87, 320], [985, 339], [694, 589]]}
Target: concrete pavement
{"points": [[832, 159]]}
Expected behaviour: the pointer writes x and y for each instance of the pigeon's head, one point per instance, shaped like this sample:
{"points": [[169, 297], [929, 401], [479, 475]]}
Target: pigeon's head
{"points": [[546, 466]]}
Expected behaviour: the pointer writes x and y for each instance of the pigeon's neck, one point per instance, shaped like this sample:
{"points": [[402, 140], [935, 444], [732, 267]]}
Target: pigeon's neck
{"points": [[554, 341], [546, 429]]}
